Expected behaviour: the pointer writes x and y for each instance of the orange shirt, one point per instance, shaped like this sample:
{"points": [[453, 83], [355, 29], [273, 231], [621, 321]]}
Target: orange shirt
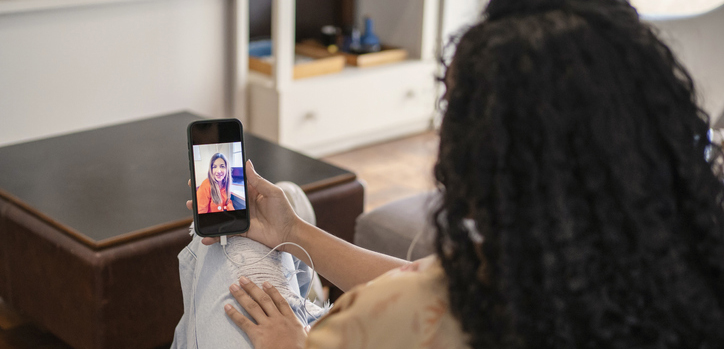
{"points": [[206, 205]]}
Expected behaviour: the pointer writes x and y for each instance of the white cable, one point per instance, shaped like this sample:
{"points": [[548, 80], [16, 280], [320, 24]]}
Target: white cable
{"points": [[412, 245], [304, 305]]}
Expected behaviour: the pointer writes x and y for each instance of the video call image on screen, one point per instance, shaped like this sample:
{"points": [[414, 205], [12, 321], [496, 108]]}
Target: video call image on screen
{"points": [[219, 172]]}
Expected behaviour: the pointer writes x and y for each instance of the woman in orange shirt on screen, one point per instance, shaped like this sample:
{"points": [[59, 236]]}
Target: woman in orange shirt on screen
{"points": [[213, 193]]}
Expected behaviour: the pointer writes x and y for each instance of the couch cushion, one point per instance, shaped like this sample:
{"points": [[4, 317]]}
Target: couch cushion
{"points": [[390, 229]]}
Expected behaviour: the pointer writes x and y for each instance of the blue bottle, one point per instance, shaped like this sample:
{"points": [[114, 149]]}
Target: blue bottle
{"points": [[354, 45], [370, 41]]}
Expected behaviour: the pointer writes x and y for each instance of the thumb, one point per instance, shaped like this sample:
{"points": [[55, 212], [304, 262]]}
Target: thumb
{"points": [[261, 185]]}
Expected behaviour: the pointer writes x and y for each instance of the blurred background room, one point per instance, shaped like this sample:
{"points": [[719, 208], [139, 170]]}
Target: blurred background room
{"points": [[349, 82]]}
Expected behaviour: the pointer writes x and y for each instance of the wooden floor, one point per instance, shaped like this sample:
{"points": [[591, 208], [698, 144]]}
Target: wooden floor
{"points": [[390, 170], [394, 169], [17, 333]]}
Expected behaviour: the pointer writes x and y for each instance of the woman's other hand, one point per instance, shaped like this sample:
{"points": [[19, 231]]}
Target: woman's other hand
{"points": [[276, 325], [272, 217]]}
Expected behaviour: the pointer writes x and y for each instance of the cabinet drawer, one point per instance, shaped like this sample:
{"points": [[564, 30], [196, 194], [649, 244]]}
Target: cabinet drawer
{"points": [[318, 111]]}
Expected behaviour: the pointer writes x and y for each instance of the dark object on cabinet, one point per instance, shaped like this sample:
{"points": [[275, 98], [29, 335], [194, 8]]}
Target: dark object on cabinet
{"points": [[311, 16]]}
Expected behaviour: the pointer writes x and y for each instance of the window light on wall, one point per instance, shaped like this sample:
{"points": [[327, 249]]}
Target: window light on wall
{"points": [[675, 7]]}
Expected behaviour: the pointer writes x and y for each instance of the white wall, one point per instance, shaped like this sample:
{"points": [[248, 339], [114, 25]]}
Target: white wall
{"points": [[78, 68], [459, 15], [697, 42], [397, 23], [675, 7]]}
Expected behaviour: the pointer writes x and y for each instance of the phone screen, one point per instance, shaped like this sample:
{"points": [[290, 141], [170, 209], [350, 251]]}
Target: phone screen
{"points": [[216, 154]]}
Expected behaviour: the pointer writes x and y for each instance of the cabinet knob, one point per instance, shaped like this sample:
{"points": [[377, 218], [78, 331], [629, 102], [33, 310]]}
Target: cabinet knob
{"points": [[410, 94], [309, 116]]}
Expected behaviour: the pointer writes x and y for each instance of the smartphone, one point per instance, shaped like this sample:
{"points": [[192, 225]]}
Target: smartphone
{"points": [[218, 181]]}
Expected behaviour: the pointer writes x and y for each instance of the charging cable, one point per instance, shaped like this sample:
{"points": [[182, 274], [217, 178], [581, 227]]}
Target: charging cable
{"points": [[224, 242], [412, 245]]}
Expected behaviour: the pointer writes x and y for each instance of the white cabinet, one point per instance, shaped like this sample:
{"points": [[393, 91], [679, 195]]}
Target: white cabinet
{"points": [[332, 113], [327, 114]]}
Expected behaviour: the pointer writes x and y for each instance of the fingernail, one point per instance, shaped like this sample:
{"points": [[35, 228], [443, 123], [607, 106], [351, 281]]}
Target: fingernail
{"points": [[227, 307], [243, 280], [266, 285], [235, 287]]}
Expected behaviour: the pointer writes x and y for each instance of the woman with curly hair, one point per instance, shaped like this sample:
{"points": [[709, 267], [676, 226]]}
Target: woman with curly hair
{"points": [[582, 203]]}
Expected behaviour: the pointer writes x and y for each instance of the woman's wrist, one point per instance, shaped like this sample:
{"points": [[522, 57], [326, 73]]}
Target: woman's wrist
{"points": [[296, 233], [299, 234]]}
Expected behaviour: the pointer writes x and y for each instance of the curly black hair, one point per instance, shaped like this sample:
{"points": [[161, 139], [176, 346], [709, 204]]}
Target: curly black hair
{"points": [[573, 139]]}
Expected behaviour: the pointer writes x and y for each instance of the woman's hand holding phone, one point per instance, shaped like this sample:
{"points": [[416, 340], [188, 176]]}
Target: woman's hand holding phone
{"points": [[272, 220]]}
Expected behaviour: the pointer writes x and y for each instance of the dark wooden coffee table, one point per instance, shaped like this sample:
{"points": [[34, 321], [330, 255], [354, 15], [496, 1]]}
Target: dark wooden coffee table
{"points": [[91, 223]]}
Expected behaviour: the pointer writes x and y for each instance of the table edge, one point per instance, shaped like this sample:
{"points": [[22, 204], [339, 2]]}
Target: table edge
{"points": [[45, 218], [326, 183], [150, 231], [95, 245]]}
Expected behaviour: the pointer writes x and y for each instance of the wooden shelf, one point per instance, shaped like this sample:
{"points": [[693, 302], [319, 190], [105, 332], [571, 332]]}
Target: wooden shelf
{"points": [[389, 54], [316, 67]]}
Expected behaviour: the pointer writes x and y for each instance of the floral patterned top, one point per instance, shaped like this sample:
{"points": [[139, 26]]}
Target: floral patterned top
{"points": [[404, 308]]}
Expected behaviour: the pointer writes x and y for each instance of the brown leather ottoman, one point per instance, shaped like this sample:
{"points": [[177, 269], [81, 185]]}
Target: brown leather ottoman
{"points": [[91, 223]]}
